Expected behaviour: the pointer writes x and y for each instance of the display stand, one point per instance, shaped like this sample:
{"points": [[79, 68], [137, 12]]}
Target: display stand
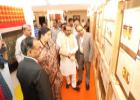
{"points": [[107, 38], [117, 50]]}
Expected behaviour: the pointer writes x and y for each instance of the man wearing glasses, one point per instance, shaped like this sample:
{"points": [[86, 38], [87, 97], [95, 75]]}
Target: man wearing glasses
{"points": [[84, 54], [33, 79]]}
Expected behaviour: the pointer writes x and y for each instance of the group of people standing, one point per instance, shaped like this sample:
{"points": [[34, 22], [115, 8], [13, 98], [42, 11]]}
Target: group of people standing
{"points": [[55, 53]]}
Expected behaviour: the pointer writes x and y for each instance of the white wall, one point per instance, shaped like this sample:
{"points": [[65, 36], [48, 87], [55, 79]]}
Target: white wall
{"points": [[83, 14]]}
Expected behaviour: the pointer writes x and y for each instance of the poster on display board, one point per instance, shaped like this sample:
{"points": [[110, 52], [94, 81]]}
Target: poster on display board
{"points": [[108, 38], [109, 20], [129, 50], [130, 30], [99, 28], [109, 30], [125, 70]]}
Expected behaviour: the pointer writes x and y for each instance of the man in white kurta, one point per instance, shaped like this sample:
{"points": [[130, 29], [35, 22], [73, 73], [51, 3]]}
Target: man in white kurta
{"points": [[68, 47], [26, 33]]}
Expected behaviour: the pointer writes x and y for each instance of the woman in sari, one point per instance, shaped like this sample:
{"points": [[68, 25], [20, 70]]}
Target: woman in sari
{"points": [[48, 59]]}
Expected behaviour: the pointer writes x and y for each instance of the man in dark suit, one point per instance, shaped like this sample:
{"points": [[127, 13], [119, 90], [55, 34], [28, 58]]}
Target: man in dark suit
{"points": [[84, 54], [34, 81]]}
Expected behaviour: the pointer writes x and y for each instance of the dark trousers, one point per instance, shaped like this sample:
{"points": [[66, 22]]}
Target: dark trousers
{"points": [[81, 63]]}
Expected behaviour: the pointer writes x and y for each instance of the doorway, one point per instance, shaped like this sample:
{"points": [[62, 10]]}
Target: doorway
{"points": [[42, 20]]}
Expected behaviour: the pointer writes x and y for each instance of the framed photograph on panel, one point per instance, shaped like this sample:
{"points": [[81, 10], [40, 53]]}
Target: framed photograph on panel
{"points": [[76, 17], [128, 60]]}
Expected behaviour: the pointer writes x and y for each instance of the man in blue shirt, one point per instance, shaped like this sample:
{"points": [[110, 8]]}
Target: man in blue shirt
{"points": [[36, 29]]}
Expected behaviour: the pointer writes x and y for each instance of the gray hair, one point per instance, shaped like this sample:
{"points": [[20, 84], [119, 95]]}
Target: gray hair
{"points": [[25, 26]]}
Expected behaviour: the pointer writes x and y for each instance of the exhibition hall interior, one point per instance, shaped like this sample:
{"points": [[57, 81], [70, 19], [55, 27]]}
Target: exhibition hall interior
{"points": [[69, 49]]}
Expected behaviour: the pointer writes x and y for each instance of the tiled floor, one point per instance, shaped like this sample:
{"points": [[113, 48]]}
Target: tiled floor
{"points": [[70, 94], [17, 89], [14, 79], [67, 94]]}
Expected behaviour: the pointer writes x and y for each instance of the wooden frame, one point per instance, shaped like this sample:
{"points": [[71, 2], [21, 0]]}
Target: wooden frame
{"points": [[128, 53]]}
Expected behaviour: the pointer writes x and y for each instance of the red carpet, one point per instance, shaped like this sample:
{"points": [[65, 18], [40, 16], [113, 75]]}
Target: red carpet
{"points": [[70, 94]]}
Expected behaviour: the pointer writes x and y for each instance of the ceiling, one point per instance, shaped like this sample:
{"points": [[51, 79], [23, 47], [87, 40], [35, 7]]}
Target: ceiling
{"points": [[44, 5], [60, 5]]}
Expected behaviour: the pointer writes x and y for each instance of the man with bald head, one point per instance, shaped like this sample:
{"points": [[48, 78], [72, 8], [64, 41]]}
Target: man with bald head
{"points": [[26, 29]]}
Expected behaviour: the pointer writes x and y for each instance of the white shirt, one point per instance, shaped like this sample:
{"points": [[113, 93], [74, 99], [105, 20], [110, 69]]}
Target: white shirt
{"points": [[60, 37], [75, 32], [69, 50], [72, 50], [55, 33], [68, 66], [18, 53]]}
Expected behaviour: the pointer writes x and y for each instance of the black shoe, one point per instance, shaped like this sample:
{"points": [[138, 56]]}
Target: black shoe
{"points": [[87, 87], [83, 68], [76, 88], [67, 86], [79, 82]]}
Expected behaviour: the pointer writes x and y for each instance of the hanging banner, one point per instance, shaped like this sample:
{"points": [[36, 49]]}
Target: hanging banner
{"points": [[11, 16]]}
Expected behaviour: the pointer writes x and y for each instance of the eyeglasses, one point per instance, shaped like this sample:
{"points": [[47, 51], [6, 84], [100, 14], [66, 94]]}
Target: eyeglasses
{"points": [[69, 30], [37, 49]]}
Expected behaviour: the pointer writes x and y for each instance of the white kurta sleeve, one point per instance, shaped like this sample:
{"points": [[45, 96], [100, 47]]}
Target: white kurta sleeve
{"points": [[58, 43], [18, 53], [62, 51], [73, 51]]}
